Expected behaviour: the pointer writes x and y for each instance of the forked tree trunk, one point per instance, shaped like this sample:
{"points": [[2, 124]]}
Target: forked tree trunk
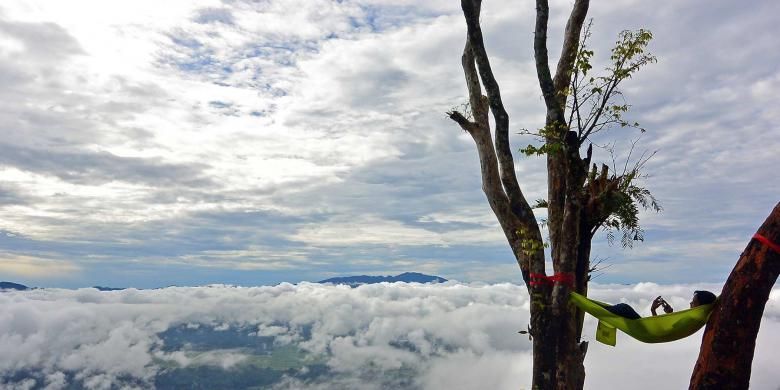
{"points": [[729, 340], [573, 215]]}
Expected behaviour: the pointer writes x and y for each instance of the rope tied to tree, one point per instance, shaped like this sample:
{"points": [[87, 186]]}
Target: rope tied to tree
{"points": [[566, 279], [762, 240]]}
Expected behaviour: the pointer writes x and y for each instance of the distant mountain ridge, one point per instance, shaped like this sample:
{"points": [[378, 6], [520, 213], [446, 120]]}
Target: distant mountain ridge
{"points": [[13, 286], [103, 288], [408, 277], [354, 281]]}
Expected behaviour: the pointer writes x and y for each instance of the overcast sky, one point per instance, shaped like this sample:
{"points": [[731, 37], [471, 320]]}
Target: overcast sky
{"points": [[151, 143]]}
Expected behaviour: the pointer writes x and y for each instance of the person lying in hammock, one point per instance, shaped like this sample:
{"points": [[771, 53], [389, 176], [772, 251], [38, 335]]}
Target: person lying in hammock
{"points": [[624, 310]]}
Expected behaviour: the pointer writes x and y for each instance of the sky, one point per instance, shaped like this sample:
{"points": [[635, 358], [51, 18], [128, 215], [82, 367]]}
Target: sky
{"points": [[152, 143], [447, 336]]}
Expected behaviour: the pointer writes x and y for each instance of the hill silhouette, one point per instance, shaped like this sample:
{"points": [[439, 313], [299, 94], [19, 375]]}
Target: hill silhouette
{"points": [[408, 277], [12, 286]]}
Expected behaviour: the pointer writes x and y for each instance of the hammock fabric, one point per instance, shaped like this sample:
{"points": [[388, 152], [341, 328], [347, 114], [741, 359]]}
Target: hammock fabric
{"points": [[656, 329]]}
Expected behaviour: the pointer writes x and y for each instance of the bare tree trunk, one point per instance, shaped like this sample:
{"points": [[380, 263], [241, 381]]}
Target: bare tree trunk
{"points": [[566, 176], [729, 340], [558, 355]]}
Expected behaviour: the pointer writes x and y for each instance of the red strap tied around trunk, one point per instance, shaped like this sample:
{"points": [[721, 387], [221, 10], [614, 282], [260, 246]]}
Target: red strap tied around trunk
{"points": [[764, 241], [562, 278]]}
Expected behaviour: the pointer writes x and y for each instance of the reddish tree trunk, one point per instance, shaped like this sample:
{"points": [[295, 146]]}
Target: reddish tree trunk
{"points": [[730, 337]]}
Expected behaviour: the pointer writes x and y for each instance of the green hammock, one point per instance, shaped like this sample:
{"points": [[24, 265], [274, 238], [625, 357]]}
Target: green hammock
{"points": [[656, 329]]}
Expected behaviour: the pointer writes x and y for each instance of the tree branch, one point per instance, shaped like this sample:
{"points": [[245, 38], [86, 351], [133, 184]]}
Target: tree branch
{"points": [[736, 318], [518, 203], [610, 88], [540, 56], [465, 124], [571, 40], [478, 102], [575, 108], [499, 203], [492, 186]]}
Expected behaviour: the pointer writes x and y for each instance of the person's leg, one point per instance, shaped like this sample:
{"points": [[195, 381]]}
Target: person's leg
{"points": [[624, 310]]}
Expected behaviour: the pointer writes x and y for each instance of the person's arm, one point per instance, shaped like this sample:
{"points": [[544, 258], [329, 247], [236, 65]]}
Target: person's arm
{"points": [[660, 302]]}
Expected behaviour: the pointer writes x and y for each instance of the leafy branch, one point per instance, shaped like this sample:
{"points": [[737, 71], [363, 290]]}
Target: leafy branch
{"points": [[615, 201], [597, 103]]}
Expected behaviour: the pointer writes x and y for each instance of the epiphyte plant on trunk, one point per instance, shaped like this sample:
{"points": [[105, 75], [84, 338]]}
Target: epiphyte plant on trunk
{"points": [[582, 199]]}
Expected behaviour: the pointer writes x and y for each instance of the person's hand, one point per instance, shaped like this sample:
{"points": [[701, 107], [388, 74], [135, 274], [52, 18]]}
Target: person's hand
{"points": [[667, 308], [655, 305], [660, 302]]}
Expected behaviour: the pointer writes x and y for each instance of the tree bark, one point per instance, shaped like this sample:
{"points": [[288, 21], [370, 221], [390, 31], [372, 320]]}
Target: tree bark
{"points": [[566, 176], [555, 326], [729, 340]]}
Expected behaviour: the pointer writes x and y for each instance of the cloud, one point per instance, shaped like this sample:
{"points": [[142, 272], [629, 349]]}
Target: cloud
{"points": [[212, 15], [36, 267], [123, 130], [101, 167], [12, 195], [39, 41], [355, 232], [451, 335]]}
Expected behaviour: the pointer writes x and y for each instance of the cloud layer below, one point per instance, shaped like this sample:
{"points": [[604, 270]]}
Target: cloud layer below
{"points": [[447, 336]]}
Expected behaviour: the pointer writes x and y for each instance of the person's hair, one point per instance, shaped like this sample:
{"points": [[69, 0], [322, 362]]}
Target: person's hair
{"points": [[704, 297]]}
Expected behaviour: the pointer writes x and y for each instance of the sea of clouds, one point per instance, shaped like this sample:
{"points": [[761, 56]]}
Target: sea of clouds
{"points": [[442, 336]]}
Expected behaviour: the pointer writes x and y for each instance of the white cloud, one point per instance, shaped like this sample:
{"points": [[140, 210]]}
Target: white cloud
{"points": [[226, 359], [36, 267], [372, 231], [377, 231], [441, 336]]}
